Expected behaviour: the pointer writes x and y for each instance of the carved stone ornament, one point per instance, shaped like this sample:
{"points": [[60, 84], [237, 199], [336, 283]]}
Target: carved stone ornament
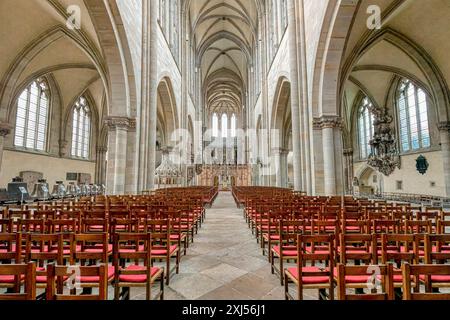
{"points": [[384, 156], [5, 129], [120, 122], [327, 121]]}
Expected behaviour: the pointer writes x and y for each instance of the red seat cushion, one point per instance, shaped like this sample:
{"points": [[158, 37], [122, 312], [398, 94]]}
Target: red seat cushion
{"points": [[94, 279], [354, 279], [137, 278], [309, 279], [7, 279], [162, 251], [438, 278], [100, 249], [289, 251]]}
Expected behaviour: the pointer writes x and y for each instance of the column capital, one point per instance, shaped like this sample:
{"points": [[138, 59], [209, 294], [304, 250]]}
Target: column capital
{"points": [[281, 151], [327, 121], [115, 122], [5, 129], [444, 126], [348, 152], [102, 149]]}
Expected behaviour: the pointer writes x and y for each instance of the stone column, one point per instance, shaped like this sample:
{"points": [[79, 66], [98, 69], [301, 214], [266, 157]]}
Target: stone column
{"points": [[100, 167], [5, 129], [444, 128], [328, 124], [276, 152], [348, 162], [117, 155], [284, 167], [295, 110]]}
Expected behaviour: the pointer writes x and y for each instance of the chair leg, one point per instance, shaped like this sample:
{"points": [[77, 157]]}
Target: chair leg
{"points": [[167, 270], [161, 297], [286, 288]]}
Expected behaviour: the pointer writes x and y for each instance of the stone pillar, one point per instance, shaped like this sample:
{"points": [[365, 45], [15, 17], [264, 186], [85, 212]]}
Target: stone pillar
{"points": [[348, 165], [100, 168], [5, 129], [276, 152], [148, 111], [284, 167], [117, 155], [295, 109], [444, 128], [328, 124]]}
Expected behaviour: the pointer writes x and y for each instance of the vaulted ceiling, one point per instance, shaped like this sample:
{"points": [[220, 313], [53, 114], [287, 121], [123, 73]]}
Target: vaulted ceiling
{"points": [[224, 32]]}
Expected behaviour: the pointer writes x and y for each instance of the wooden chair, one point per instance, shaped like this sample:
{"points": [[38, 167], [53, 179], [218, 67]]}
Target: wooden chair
{"points": [[286, 249], [57, 276], [24, 272], [311, 277], [371, 272], [10, 252], [398, 249], [92, 249], [162, 248], [135, 247], [43, 249], [424, 271]]}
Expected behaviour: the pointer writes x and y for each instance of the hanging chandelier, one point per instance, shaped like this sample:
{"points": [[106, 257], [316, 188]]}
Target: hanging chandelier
{"points": [[384, 155]]}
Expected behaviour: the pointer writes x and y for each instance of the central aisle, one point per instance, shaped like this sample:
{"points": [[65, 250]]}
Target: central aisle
{"points": [[224, 262]]}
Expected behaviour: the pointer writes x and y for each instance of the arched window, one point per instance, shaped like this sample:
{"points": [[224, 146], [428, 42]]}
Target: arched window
{"points": [[224, 125], [413, 117], [215, 125], [365, 127], [81, 129], [32, 116], [233, 125]]}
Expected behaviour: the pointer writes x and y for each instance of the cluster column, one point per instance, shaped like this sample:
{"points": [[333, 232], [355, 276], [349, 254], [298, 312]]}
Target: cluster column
{"points": [[444, 128], [117, 153], [348, 162], [295, 102], [101, 165], [330, 125]]}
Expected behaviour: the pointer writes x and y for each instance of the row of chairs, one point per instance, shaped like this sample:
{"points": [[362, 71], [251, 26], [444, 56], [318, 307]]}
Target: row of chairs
{"points": [[43, 265], [326, 236]]}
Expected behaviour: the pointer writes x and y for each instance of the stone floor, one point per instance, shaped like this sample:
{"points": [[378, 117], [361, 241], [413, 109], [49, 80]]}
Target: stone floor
{"points": [[224, 262]]}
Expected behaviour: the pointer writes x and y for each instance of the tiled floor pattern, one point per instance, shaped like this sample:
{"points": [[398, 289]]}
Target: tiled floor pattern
{"points": [[224, 262]]}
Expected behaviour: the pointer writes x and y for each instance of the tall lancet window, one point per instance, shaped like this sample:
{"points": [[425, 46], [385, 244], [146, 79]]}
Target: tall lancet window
{"points": [[215, 125], [413, 117], [233, 125], [224, 126], [32, 116], [365, 127], [81, 129]]}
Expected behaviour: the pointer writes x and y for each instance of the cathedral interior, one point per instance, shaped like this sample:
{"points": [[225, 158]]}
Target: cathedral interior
{"points": [[223, 112]]}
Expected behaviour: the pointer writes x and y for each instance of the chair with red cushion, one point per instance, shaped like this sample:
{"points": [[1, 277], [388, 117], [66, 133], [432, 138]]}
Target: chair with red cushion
{"points": [[62, 226], [162, 247], [27, 274], [436, 272], [135, 247], [312, 277], [286, 249], [69, 277], [10, 252], [437, 251], [6, 225], [378, 277], [94, 225], [31, 226], [398, 249], [91, 249], [44, 249]]}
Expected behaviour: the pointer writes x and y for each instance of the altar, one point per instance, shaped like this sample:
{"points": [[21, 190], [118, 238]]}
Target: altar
{"points": [[225, 176]]}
